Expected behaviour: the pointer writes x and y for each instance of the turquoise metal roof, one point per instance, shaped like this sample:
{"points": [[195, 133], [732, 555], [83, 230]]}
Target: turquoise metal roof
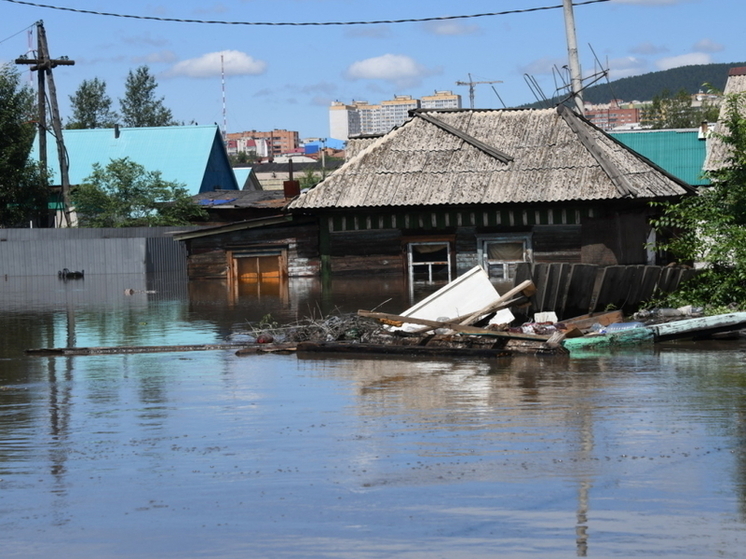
{"points": [[190, 155], [680, 152], [242, 175]]}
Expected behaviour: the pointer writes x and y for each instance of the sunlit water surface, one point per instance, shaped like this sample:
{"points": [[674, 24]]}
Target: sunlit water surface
{"points": [[207, 454]]}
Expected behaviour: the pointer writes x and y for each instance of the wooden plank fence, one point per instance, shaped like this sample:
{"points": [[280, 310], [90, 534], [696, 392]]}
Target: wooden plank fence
{"points": [[576, 289]]}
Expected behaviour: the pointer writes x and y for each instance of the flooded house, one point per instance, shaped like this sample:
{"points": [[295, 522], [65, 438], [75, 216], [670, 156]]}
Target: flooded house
{"points": [[452, 189], [193, 156]]}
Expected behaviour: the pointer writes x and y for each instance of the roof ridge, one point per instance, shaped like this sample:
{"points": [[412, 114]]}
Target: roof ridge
{"points": [[623, 186], [471, 140]]}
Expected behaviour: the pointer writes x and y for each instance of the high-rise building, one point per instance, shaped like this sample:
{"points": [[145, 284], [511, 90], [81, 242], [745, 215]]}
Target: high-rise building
{"points": [[278, 141], [361, 117], [441, 100]]}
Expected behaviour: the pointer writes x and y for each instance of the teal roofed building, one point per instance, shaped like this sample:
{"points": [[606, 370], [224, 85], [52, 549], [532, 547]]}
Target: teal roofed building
{"points": [[193, 156], [679, 152]]}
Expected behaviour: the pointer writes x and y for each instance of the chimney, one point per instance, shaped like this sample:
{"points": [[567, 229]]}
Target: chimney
{"points": [[116, 131], [291, 187]]}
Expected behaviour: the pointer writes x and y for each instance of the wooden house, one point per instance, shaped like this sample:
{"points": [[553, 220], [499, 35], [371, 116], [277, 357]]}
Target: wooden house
{"points": [[452, 189]]}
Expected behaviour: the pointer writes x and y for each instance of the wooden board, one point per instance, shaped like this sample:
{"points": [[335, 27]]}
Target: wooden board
{"points": [[385, 349]]}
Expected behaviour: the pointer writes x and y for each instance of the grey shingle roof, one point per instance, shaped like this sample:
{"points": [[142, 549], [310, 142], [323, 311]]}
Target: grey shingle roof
{"points": [[717, 151], [490, 157]]}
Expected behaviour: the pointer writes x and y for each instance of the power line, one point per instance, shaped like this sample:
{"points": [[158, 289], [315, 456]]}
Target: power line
{"points": [[15, 34], [299, 24]]}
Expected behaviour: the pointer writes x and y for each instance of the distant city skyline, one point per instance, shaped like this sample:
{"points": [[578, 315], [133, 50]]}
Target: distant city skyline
{"points": [[361, 117], [285, 77]]}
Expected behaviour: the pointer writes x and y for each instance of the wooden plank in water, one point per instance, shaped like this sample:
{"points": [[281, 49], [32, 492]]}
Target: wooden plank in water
{"points": [[397, 318], [386, 349], [128, 349]]}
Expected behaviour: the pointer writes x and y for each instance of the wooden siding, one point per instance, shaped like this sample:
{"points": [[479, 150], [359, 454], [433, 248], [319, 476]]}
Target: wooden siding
{"points": [[557, 243], [209, 255], [499, 216]]}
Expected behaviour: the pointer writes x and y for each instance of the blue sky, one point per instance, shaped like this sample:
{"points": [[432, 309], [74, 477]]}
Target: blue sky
{"points": [[287, 76]]}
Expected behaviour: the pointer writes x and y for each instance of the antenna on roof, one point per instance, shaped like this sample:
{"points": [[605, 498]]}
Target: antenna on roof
{"points": [[535, 88], [222, 78], [500, 98]]}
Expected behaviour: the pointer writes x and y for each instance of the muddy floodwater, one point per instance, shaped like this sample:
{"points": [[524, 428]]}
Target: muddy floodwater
{"points": [[206, 454]]}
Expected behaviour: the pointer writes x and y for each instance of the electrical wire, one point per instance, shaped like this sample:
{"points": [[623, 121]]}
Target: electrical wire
{"points": [[299, 24], [16, 34]]}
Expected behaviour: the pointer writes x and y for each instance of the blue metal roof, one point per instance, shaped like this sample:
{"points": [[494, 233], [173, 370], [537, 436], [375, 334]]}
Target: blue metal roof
{"points": [[680, 152], [193, 156]]}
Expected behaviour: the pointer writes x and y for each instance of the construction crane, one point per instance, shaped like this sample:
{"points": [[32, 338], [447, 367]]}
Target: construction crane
{"points": [[471, 83]]}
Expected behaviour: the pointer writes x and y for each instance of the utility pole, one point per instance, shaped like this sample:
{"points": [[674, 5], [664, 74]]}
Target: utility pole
{"points": [[471, 83], [576, 80], [43, 64]]}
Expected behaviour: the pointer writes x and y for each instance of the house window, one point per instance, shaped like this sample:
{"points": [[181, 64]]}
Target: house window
{"points": [[429, 262], [499, 254]]}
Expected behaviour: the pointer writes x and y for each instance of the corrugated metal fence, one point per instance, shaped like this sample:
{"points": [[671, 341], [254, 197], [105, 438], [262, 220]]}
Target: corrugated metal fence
{"points": [[44, 252]]}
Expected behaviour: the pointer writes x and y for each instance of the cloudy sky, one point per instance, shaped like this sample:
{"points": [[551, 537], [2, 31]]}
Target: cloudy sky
{"points": [[286, 76]]}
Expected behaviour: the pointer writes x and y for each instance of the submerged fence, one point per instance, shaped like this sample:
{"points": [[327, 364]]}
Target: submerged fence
{"points": [[45, 252], [576, 289]]}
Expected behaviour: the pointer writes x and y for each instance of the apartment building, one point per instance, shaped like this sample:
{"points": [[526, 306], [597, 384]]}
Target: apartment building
{"points": [[441, 100], [609, 116], [361, 117], [278, 141]]}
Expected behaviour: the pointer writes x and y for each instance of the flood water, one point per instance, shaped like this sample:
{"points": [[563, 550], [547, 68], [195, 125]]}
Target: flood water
{"points": [[208, 454]]}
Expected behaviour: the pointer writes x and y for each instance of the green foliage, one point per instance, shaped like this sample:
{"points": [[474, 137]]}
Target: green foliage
{"points": [[242, 158], [23, 185], [309, 178], [140, 106], [711, 227], [91, 106], [676, 111], [124, 194]]}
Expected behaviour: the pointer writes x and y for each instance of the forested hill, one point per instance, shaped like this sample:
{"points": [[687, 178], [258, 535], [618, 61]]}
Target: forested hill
{"points": [[647, 86]]}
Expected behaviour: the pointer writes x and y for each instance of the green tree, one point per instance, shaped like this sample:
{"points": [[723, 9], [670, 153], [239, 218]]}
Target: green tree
{"points": [[676, 111], [140, 106], [711, 227], [91, 106], [23, 186], [309, 178], [124, 194], [242, 158]]}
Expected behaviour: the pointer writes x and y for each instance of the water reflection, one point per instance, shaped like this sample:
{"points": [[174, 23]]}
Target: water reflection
{"points": [[210, 454]]}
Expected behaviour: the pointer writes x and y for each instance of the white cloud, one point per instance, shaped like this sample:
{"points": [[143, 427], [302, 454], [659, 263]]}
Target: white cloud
{"points": [[625, 67], [707, 45], [450, 28], [543, 66], [160, 57], [648, 48], [399, 69], [208, 65], [683, 60]]}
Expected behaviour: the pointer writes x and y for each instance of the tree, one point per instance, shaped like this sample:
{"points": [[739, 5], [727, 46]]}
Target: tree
{"points": [[711, 227], [23, 185], [92, 106], [667, 111], [243, 158], [124, 194], [140, 107]]}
